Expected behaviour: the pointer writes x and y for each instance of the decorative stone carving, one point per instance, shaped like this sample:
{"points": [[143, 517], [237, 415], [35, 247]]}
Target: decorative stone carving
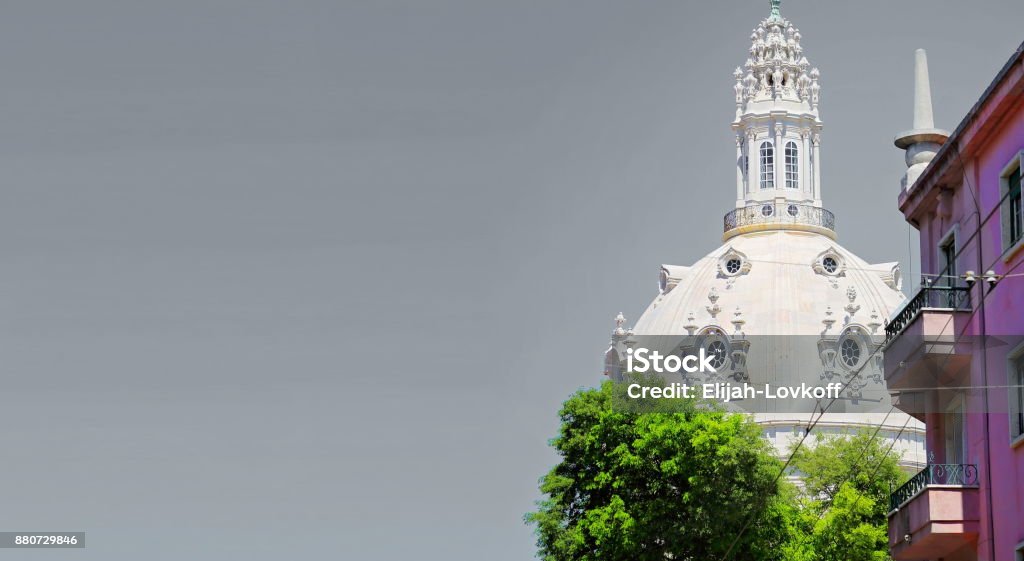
{"points": [[691, 324], [732, 264], [714, 308], [874, 324], [622, 340], [851, 308], [776, 68], [738, 321], [889, 273], [621, 333], [731, 353], [670, 276], [852, 359], [829, 263]]}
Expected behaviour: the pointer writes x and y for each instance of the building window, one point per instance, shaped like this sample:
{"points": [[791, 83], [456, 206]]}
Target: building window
{"points": [[1013, 213], [767, 166], [830, 265], [1015, 373], [947, 260], [718, 353], [792, 174], [849, 351], [733, 263]]}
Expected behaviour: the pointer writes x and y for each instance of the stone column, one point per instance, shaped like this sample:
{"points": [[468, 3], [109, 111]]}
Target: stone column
{"points": [[816, 142], [780, 158], [753, 163], [805, 164], [739, 167]]}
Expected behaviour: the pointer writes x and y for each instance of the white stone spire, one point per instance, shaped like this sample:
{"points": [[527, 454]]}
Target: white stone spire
{"points": [[924, 140], [922, 92]]}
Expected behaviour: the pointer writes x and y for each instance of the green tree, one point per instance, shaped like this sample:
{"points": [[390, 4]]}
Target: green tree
{"points": [[847, 482], [862, 459], [847, 531], [662, 485]]}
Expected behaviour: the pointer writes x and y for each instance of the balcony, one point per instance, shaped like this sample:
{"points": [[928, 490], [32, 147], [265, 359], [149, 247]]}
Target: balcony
{"points": [[935, 513], [779, 216], [926, 345]]}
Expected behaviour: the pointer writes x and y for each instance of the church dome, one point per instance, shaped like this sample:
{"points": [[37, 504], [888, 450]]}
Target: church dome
{"points": [[780, 301]]}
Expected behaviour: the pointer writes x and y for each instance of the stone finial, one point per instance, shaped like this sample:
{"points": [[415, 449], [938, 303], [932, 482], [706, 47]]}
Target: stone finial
{"points": [[714, 308], [851, 295], [691, 324], [874, 324], [620, 321], [829, 320], [738, 321]]}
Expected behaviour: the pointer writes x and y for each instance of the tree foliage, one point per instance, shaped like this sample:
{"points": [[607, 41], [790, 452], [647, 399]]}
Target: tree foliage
{"points": [[862, 460], [680, 483], [656, 486], [847, 481], [847, 530]]}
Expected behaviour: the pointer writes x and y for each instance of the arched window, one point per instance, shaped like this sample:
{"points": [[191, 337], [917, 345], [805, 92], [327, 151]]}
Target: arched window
{"points": [[767, 166], [792, 177]]}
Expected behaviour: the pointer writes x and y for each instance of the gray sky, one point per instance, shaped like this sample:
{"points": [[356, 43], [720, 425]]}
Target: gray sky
{"points": [[309, 280]]}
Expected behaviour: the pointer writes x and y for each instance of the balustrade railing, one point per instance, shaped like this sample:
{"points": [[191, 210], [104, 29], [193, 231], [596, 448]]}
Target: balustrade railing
{"points": [[929, 296], [779, 213], [964, 475]]}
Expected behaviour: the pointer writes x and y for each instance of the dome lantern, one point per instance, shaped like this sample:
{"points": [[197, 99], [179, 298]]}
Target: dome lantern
{"points": [[777, 127]]}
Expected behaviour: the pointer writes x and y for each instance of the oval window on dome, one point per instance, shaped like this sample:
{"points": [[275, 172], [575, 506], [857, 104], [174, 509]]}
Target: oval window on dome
{"points": [[732, 266], [830, 265], [849, 352], [767, 210], [718, 354]]}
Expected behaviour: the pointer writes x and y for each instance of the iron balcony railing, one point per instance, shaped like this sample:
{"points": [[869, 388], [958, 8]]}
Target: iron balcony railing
{"points": [[963, 475], [938, 297], [779, 213]]}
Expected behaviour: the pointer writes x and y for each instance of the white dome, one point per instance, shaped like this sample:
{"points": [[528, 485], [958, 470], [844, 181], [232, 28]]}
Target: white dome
{"points": [[783, 287], [780, 301], [792, 304]]}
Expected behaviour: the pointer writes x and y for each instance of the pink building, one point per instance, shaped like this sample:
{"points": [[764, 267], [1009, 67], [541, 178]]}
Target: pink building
{"points": [[954, 354]]}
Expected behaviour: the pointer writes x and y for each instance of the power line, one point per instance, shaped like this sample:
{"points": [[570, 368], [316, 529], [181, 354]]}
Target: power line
{"points": [[984, 295], [878, 465]]}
